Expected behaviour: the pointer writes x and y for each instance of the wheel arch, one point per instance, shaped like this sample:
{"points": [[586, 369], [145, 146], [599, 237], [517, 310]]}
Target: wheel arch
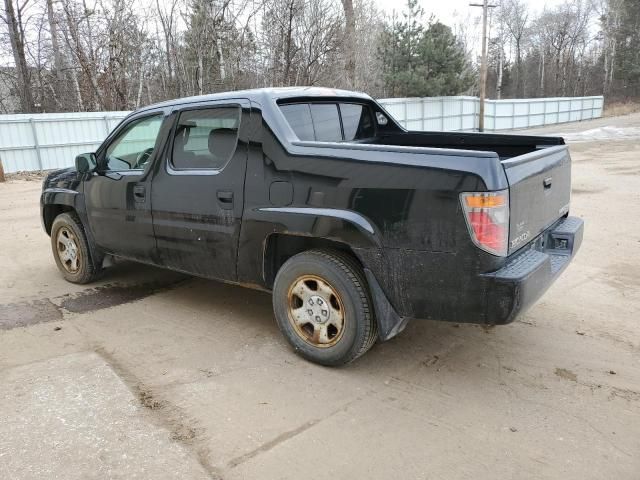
{"points": [[56, 201], [281, 246], [51, 211], [303, 228]]}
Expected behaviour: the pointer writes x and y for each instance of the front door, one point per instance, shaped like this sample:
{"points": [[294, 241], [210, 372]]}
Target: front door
{"points": [[197, 194], [118, 194]]}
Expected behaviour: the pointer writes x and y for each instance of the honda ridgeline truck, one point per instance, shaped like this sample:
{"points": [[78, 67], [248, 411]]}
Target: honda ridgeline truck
{"points": [[319, 196]]}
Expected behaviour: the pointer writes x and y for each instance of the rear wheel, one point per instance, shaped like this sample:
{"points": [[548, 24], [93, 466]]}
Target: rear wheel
{"points": [[71, 249], [323, 307]]}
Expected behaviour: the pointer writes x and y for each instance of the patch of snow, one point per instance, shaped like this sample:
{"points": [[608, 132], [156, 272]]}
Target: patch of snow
{"points": [[602, 133]]}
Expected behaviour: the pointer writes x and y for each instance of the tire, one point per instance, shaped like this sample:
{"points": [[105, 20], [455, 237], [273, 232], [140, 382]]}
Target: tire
{"points": [[332, 324], [71, 249]]}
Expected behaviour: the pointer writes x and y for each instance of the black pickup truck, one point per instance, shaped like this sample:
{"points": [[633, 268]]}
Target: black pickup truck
{"points": [[355, 224]]}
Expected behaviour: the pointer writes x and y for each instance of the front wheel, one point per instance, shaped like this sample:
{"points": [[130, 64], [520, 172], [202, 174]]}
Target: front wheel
{"points": [[71, 249], [323, 307]]}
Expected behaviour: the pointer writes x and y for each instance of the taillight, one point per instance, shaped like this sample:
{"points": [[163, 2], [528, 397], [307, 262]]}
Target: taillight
{"points": [[487, 216]]}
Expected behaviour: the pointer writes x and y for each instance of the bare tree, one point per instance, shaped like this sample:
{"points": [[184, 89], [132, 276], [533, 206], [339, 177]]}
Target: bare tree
{"points": [[610, 12], [318, 34], [167, 16], [68, 55], [369, 68], [13, 18], [514, 16], [75, 18]]}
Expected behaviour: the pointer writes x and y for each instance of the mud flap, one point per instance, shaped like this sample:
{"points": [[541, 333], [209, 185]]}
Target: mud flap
{"points": [[389, 322]]}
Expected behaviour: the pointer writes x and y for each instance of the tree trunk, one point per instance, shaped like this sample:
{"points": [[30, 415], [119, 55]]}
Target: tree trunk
{"points": [[612, 62], [288, 46], [223, 72], [17, 47], [349, 46], [563, 76], [200, 73], [140, 85], [519, 79], [88, 67], [76, 90], [500, 70], [58, 65], [542, 72], [605, 82], [92, 55], [166, 20], [557, 75]]}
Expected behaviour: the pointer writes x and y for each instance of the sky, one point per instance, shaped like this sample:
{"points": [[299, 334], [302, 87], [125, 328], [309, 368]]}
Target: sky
{"points": [[451, 11], [459, 12]]}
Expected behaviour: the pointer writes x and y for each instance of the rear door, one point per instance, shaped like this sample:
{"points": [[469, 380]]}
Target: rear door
{"points": [[197, 196], [539, 192]]}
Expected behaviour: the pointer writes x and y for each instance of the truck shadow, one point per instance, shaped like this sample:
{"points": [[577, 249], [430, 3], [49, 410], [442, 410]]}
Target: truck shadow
{"points": [[425, 344], [221, 310]]}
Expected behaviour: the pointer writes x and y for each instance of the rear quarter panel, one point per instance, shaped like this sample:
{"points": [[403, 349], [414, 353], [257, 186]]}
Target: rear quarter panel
{"points": [[409, 223]]}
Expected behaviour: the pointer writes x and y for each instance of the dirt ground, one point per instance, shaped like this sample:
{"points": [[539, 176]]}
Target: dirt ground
{"points": [[149, 374]]}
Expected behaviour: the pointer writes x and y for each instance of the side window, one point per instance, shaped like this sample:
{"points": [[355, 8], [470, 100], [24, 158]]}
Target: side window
{"points": [[205, 139], [314, 121], [299, 117], [321, 121], [357, 121], [134, 145], [326, 122]]}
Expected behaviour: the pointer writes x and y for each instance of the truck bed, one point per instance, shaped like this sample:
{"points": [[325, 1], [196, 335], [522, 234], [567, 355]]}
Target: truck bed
{"points": [[538, 170], [505, 146]]}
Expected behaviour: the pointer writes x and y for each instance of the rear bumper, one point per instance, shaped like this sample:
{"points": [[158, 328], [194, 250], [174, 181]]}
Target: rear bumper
{"points": [[526, 276], [439, 286]]}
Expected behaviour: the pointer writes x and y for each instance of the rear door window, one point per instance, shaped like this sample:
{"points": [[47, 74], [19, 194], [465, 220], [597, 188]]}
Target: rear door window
{"points": [[206, 138]]}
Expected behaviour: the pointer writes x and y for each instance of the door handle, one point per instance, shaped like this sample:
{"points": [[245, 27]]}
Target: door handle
{"points": [[225, 198], [139, 193]]}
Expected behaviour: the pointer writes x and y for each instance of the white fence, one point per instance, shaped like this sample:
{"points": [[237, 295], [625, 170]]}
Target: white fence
{"points": [[52, 140], [462, 113]]}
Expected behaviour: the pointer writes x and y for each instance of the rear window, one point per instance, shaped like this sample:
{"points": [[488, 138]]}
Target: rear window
{"points": [[321, 121]]}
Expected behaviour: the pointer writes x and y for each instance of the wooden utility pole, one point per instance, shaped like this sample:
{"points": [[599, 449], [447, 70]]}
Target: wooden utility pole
{"points": [[483, 60]]}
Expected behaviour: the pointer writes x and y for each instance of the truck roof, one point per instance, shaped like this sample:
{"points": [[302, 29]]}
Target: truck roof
{"points": [[263, 94]]}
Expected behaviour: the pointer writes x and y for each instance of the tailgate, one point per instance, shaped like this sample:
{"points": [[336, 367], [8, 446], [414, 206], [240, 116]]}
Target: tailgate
{"points": [[539, 192]]}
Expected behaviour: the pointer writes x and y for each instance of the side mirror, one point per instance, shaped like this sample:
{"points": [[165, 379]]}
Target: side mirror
{"points": [[86, 162]]}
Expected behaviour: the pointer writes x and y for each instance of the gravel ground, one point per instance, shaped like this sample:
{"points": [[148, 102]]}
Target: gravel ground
{"points": [[149, 373]]}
